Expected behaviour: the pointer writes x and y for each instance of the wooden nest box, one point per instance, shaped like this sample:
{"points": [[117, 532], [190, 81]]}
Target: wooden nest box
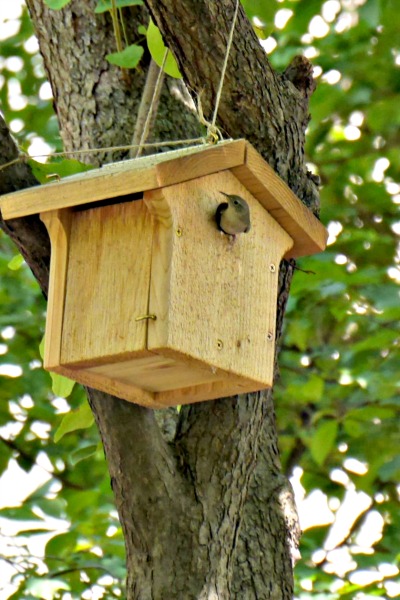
{"points": [[148, 300]]}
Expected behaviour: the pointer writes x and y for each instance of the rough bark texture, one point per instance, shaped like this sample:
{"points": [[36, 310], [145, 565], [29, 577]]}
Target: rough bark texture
{"points": [[29, 234], [96, 103], [204, 507]]}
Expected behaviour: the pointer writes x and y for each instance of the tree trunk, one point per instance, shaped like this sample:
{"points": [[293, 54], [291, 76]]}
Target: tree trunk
{"points": [[205, 510]]}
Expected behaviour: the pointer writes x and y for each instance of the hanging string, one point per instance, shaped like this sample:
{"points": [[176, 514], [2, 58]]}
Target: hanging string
{"points": [[213, 133], [228, 50], [154, 100]]}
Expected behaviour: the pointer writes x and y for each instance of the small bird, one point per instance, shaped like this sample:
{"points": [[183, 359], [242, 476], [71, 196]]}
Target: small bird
{"points": [[233, 216]]}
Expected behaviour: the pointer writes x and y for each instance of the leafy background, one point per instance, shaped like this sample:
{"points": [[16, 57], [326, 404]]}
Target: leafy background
{"points": [[338, 395]]}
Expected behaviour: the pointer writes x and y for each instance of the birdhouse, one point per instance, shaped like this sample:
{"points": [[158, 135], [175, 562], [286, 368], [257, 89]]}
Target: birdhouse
{"points": [[148, 300]]}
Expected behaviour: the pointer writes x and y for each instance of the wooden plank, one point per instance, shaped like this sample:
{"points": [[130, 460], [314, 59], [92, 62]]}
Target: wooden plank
{"points": [[217, 158], [157, 400], [161, 261], [110, 386], [107, 283], [91, 186], [122, 178], [207, 391], [155, 373], [106, 359], [263, 183], [58, 224], [215, 301]]}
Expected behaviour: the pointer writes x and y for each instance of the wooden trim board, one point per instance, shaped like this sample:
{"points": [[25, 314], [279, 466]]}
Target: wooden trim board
{"points": [[123, 178], [308, 233], [58, 224], [156, 400]]}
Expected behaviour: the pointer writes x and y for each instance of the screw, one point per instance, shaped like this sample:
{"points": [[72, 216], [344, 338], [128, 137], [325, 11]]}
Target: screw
{"points": [[179, 231], [272, 268], [270, 336], [220, 344]]}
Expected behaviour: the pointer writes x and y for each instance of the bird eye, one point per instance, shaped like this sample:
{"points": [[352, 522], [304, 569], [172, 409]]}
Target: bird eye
{"points": [[235, 202]]}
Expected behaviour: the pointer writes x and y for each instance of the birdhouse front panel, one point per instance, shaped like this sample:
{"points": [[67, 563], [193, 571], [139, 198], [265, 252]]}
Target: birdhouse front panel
{"points": [[218, 303], [148, 299]]}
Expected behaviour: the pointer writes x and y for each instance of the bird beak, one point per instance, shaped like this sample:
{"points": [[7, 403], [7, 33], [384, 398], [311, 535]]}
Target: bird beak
{"points": [[223, 193]]}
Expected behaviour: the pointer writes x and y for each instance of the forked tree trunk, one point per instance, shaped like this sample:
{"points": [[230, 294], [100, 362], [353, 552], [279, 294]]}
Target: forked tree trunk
{"points": [[205, 510]]}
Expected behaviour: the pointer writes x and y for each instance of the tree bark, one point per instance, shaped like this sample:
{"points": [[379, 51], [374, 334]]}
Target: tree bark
{"points": [[205, 510], [29, 234]]}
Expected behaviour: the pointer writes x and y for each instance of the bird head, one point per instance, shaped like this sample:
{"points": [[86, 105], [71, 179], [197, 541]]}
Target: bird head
{"points": [[233, 216], [237, 203]]}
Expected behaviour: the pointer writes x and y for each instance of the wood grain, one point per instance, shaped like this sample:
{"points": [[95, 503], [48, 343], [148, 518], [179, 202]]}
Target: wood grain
{"points": [[206, 391], [156, 373], [263, 183], [217, 158], [107, 282], [215, 301], [58, 224], [107, 384], [122, 178]]}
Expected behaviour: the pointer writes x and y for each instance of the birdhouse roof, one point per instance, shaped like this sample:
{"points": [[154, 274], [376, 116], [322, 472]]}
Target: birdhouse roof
{"points": [[157, 171]]}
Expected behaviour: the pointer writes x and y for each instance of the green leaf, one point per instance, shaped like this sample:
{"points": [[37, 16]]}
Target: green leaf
{"points": [[264, 11], [62, 545], [5, 455], [127, 59], [53, 507], [313, 389], [371, 12], [391, 470], [61, 386], [19, 513], [33, 531], [16, 262], [104, 5], [82, 418], [48, 172], [45, 588], [323, 440], [157, 50], [83, 453], [57, 4], [41, 347], [371, 412]]}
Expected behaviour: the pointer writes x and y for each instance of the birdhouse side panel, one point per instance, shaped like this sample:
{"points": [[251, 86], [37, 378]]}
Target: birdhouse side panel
{"points": [[58, 224], [221, 301], [107, 283]]}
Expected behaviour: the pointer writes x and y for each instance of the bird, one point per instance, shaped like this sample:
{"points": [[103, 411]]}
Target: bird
{"points": [[233, 215]]}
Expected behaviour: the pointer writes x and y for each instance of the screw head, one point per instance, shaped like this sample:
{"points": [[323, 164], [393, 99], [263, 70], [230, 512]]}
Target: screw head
{"points": [[179, 231], [220, 344], [272, 268], [270, 336]]}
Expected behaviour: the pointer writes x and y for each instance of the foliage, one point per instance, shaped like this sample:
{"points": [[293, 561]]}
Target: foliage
{"points": [[337, 398], [157, 50]]}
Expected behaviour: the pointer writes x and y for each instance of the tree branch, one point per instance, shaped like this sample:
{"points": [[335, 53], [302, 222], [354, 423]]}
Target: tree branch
{"points": [[29, 234]]}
